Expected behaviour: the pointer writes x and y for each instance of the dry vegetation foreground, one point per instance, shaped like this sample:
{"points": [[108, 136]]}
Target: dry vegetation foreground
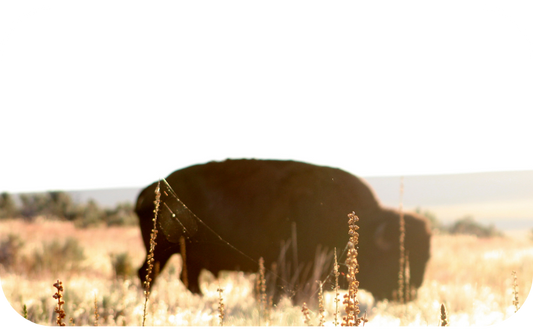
{"points": [[471, 276]]}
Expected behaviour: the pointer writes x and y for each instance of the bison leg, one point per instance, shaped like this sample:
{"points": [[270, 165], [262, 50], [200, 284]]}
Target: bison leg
{"points": [[193, 278]]}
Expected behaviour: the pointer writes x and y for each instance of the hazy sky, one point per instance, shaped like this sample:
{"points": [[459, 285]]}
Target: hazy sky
{"points": [[105, 94]]}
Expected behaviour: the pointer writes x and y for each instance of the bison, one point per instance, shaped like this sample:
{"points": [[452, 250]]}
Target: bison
{"points": [[235, 211]]}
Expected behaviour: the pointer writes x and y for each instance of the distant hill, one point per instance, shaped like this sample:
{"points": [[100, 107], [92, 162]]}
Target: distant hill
{"points": [[502, 198], [107, 197], [458, 188]]}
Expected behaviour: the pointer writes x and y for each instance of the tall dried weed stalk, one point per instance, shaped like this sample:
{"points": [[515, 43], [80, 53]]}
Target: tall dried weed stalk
{"points": [[305, 311], [350, 299], [407, 279], [321, 318], [336, 274], [401, 272], [96, 315], [220, 306], [25, 311], [59, 308], [150, 257], [443, 316], [261, 291], [515, 293]]}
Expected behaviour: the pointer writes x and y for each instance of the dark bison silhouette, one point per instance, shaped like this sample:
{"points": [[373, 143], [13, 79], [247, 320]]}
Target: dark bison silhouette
{"points": [[242, 209]]}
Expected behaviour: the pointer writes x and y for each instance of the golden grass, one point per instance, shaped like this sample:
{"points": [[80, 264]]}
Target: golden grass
{"points": [[470, 275], [98, 242]]}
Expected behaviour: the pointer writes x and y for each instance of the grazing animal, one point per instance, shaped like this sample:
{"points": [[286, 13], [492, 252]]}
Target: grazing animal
{"points": [[257, 205]]}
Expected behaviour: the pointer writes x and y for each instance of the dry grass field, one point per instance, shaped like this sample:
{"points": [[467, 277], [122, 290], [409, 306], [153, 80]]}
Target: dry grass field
{"points": [[471, 276]]}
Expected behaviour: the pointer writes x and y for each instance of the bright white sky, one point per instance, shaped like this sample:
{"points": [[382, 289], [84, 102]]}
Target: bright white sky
{"points": [[105, 94]]}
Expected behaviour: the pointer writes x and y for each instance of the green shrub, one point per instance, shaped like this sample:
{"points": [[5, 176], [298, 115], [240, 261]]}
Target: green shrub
{"points": [[55, 204], [8, 208], [58, 257], [122, 265], [121, 215], [469, 226], [90, 216], [62, 207], [33, 205], [10, 248], [435, 223]]}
